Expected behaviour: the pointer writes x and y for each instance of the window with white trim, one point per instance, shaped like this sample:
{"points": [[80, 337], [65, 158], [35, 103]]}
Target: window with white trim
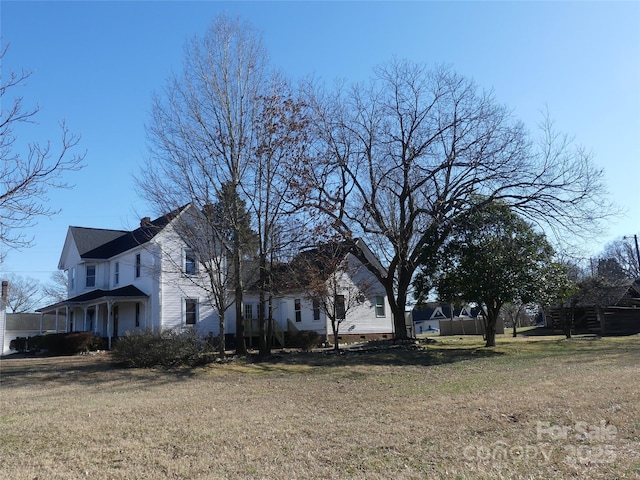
{"points": [[248, 311], [190, 311], [116, 273], [190, 264], [90, 279], [138, 265], [298, 310], [380, 306], [340, 307]]}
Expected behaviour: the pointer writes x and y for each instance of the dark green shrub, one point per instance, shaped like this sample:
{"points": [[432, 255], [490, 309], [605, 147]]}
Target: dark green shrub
{"points": [[19, 344], [59, 343], [170, 348], [305, 339], [35, 343]]}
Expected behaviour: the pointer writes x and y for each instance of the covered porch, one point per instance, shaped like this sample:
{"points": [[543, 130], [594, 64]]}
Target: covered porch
{"points": [[105, 313]]}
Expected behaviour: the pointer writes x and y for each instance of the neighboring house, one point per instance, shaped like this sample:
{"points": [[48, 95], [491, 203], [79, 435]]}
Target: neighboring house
{"points": [[120, 281], [28, 325], [601, 308], [464, 320]]}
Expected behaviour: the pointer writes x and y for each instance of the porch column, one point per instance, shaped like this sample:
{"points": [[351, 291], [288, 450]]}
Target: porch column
{"points": [[109, 325], [41, 321], [147, 313], [57, 317], [67, 318]]}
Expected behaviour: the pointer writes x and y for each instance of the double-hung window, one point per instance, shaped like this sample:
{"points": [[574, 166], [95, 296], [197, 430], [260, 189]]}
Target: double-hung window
{"points": [[340, 307], [298, 310], [138, 265], [116, 273], [190, 311], [380, 306], [90, 279], [190, 264]]}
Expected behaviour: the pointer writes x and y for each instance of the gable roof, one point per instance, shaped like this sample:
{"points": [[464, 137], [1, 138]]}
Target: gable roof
{"points": [[88, 239], [595, 293], [101, 244], [442, 311]]}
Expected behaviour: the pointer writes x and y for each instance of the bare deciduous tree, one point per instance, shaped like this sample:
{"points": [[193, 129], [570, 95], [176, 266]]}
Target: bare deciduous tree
{"points": [[24, 295], [28, 176], [205, 236], [334, 281], [56, 289], [624, 252], [281, 131], [202, 131], [399, 159]]}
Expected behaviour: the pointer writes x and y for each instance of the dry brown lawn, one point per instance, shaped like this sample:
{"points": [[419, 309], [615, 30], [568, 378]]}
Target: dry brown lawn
{"points": [[537, 407]]}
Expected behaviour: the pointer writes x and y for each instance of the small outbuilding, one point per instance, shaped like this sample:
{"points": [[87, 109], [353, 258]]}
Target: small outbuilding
{"points": [[601, 308]]}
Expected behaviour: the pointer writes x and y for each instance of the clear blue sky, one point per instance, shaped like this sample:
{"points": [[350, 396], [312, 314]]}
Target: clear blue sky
{"points": [[98, 63]]}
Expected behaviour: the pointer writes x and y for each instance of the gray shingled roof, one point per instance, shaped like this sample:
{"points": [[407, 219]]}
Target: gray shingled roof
{"points": [[88, 239], [128, 291], [96, 243]]}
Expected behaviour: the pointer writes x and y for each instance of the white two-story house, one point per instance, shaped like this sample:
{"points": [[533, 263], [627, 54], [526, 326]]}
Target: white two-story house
{"points": [[122, 281]]}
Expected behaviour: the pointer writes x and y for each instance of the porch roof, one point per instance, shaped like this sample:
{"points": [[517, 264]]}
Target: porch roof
{"points": [[128, 292]]}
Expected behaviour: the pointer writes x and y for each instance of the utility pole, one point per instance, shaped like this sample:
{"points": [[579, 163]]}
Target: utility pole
{"points": [[635, 238]]}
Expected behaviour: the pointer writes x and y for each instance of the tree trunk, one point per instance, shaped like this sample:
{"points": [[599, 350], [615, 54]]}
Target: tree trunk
{"points": [[493, 310], [222, 350], [568, 323], [397, 304], [264, 347], [270, 323], [491, 331], [241, 345], [335, 326]]}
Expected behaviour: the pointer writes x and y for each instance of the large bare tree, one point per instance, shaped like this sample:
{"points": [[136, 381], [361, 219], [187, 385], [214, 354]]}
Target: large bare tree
{"points": [[202, 131], [24, 295], [399, 159], [27, 176], [624, 252], [281, 132]]}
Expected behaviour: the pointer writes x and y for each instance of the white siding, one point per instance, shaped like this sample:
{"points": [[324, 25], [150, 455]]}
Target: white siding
{"points": [[173, 288]]}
